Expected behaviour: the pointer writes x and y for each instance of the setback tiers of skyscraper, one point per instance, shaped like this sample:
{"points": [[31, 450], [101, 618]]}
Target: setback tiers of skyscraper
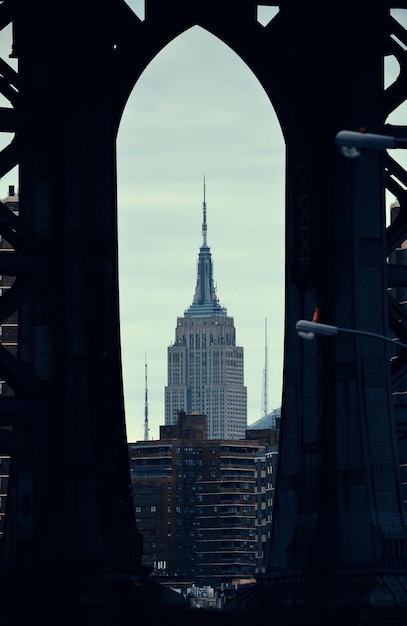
{"points": [[205, 367]]}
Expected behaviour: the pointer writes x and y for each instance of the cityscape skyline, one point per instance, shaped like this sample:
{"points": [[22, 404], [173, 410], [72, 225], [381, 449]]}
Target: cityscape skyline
{"points": [[198, 110], [222, 109], [322, 533]]}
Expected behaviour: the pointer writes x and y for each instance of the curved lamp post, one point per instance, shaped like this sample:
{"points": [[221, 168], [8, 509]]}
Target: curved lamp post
{"points": [[352, 144], [308, 330]]}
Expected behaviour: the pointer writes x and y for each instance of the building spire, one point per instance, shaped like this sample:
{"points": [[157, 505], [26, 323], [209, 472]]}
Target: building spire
{"points": [[204, 225], [205, 302]]}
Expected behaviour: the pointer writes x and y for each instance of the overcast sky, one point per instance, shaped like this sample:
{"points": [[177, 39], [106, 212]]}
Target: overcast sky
{"points": [[198, 110]]}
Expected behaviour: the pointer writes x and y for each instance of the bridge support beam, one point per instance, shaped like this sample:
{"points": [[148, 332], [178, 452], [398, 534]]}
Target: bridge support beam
{"points": [[339, 542]]}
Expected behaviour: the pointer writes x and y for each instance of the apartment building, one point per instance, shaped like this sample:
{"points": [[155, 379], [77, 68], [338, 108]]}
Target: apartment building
{"points": [[195, 503]]}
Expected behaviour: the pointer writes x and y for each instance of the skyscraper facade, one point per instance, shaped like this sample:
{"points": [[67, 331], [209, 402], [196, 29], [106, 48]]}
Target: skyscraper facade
{"points": [[205, 366]]}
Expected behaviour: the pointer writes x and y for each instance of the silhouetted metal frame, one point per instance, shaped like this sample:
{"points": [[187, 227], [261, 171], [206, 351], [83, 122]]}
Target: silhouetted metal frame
{"points": [[101, 53]]}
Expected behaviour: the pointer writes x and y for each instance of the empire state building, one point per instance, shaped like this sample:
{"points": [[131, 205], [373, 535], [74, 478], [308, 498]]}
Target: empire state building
{"points": [[205, 367]]}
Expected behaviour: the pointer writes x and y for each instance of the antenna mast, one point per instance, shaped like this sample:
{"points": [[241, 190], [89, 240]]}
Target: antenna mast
{"points": [[146, 429], [204, 226], [264, 407]]}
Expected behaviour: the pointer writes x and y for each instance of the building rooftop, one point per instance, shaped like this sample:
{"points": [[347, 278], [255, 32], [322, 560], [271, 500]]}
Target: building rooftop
{"points": [[267, 421]]}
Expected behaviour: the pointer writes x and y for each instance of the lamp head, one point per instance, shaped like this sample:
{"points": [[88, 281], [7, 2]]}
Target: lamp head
{"points": [[352, 144], [307, 330]]}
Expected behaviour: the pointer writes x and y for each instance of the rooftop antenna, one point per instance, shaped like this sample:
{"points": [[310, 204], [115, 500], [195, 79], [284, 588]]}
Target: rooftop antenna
{"points": [[146, 429], [204, 226], [264, 407]]}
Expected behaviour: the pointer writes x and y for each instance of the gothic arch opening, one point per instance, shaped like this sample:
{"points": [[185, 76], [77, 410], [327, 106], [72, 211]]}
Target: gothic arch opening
{"points": [[198, 110]]}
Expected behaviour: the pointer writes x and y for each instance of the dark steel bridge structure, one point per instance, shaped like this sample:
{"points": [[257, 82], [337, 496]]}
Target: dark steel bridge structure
{"points": [[339, 543]]}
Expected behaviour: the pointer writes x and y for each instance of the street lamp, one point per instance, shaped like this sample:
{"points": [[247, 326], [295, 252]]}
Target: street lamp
{"points": [[352, 143], [308, 330]]}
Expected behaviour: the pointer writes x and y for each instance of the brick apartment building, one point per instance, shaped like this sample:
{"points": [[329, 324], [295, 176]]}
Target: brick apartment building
{"points": [[195, 502]]}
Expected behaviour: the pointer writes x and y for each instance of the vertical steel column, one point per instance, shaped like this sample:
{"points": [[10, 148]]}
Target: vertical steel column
{"points": [[69, 339], [339, 534]]}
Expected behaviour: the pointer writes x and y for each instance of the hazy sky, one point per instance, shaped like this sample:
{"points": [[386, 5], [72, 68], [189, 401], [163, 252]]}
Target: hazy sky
{"points": [[198, 110]]}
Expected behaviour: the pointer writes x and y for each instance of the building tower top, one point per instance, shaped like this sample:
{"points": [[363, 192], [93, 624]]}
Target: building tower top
{"points": [[206, 303]]}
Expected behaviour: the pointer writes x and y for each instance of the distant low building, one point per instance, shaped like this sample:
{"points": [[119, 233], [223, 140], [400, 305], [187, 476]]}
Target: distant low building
{"points": [[271, 420]]}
